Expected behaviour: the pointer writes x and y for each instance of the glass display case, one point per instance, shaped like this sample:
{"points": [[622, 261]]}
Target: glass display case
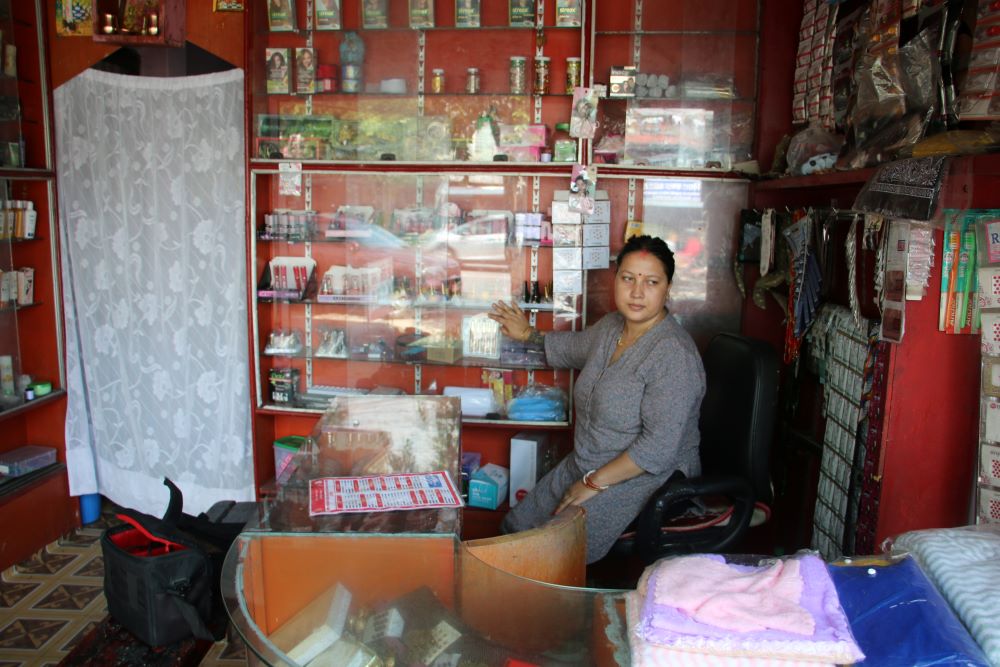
{"points": [[375, 599], [381, 283], [682, 84], [32, 400], [414, 81], [29, 296], [338, 584]]}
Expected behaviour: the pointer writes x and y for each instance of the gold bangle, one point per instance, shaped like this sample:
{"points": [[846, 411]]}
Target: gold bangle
{"points": [[591, 484]]}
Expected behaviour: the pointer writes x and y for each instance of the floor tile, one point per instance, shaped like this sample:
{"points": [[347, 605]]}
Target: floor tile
{"points": [[29, 633], [74, 640], [45, 562], [12, 593], [92, 568], [69, 596]]}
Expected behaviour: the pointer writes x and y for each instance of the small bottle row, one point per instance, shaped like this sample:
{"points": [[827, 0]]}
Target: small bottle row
{"points": [[18, 219]]}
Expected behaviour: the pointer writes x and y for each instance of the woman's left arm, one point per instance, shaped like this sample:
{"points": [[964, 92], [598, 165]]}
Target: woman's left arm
{"points": [[615, 471]]}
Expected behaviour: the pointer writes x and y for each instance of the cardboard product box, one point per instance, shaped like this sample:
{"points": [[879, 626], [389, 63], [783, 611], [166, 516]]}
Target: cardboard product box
{"points": [[446, 351], [488, 486], [531, 456]]}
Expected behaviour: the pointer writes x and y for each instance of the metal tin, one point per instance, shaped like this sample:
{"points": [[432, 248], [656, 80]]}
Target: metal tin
{"points": [[572, 74], [541, 75], [437, 81], [472, 80], [518, 75]]}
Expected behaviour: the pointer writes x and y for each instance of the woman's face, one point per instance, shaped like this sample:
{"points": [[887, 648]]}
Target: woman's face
{"points": [[641, 287]]}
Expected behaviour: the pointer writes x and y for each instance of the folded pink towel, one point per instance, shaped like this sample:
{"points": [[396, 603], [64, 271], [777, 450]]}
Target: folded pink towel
{"points": [[715, 594]]}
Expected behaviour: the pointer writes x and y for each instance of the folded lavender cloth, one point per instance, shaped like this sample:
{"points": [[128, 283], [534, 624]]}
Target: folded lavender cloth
{"points": [[830, 640]]}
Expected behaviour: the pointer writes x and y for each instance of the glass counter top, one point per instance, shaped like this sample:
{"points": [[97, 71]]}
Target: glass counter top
{"points": [[407, 599]]}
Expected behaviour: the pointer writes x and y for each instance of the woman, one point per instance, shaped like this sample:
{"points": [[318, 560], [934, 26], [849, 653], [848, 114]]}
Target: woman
{"points": [[637, 399]]}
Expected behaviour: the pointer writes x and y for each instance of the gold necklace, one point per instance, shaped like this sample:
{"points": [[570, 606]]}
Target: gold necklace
{"points": [[622, 334]]}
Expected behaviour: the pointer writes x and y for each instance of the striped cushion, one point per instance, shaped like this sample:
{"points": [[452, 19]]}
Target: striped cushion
{"points": [[964, 563]]}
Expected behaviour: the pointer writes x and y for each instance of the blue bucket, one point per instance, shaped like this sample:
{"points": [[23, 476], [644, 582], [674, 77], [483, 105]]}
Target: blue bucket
{"points": [[90, 508]]}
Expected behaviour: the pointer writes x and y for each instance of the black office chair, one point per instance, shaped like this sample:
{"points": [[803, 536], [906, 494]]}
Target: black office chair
{"points": [[737, 424]]}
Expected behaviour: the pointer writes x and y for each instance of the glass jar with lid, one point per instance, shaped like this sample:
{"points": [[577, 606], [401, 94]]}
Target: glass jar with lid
{"points": [[472, 80], [518, 75], [541, 85], [437, 81]]}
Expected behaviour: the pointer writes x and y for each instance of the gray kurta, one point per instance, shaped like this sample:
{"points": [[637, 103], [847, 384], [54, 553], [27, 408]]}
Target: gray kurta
{"points": [[646, 403]]}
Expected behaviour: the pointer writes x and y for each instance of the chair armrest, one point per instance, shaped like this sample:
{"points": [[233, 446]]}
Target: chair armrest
{"points": [[652, 543]]}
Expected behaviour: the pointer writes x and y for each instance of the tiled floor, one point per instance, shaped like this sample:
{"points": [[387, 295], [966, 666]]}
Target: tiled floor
{"points": [[52, 600]]}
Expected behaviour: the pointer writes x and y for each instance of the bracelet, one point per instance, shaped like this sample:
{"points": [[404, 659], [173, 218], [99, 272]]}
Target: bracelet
{"points": [[591, 484]]}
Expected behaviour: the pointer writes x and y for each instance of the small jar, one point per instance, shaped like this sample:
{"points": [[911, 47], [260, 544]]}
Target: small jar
{"points": [[572, 74], [472, 80], [518, 75], [541, 75], [437, 81]]}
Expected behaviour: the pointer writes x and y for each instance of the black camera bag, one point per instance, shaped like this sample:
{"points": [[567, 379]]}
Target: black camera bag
{"points": [[161, 576]]}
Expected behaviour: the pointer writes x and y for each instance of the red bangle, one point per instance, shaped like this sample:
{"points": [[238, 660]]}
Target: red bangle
{"points": [[591, 484]]}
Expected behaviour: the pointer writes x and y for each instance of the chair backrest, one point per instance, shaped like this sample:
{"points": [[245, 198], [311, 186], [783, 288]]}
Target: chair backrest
{"points": [[738, 411]]}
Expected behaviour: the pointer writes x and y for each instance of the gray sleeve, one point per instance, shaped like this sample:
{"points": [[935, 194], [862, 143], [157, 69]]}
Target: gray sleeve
{"points": [[570, 349], [671, 401]]}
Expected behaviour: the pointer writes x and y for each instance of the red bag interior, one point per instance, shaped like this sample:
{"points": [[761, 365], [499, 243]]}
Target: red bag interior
{"points": [[139, 542]]}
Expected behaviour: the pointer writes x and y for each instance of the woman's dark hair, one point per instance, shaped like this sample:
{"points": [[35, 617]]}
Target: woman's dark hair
{"points": [[657, 247]]}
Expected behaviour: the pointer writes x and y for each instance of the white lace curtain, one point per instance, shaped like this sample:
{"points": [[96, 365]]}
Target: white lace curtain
{"points": [[151, 211]]}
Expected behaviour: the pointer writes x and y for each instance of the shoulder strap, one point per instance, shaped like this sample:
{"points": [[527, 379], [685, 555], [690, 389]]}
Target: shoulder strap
{"points": [[193, 618]]}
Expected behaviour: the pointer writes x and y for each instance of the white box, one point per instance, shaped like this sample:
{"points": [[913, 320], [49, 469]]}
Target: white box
{"points": [[602, 212], [25, 286], [531, 456], [561, 215], [596, 258], [566, 258], [565, 236], [570, 282], [597, 235]]}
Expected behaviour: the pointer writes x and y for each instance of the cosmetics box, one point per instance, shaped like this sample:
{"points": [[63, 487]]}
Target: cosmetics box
{"points": [[523, 135], [531, 456], [488, 486], [23, 460]]}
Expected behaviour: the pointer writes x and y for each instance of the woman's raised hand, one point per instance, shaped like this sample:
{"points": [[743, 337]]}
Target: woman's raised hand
{"points": [[513, 321]]}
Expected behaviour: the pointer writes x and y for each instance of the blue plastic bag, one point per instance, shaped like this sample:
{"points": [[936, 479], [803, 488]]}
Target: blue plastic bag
{"points": [[898, 617]]}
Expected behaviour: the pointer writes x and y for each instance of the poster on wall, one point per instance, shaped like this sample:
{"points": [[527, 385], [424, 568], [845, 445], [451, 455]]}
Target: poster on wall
{"points": [[74, 18]]}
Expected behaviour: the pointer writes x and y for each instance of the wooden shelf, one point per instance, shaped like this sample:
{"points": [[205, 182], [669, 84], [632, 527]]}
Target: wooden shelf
{"points": [[835, 178], [14, 485], [55, 395], [171, 22]]}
